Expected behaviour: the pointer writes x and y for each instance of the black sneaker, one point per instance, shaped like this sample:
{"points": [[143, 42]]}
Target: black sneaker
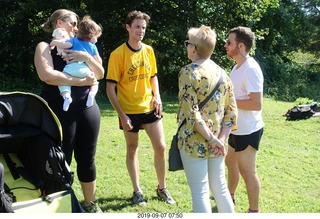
{"points": [[93, 208], [164, 195], [137, 199]]}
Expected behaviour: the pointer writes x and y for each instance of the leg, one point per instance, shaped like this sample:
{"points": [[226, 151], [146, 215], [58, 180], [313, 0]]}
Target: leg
{"points": [[89, 191], [94, 89], [247, 167], [65, 92], [92, 94], [87, 132], [156, 135], [155, 132], [218, 185], [233, 170], [196, 170], [132, 158]]}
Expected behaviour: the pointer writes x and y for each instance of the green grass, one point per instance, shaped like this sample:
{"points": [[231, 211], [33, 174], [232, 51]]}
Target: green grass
{"points": [[288, 165]]}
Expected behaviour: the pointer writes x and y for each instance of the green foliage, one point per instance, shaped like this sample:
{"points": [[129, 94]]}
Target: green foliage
{"points": [[302, 101], [282, 27]]}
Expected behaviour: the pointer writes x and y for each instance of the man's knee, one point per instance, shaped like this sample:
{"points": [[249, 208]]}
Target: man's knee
{"points": [[160, 149]]}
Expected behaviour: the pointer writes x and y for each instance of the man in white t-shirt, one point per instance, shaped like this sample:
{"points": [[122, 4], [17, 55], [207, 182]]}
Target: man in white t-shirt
{"points": [[247, 79]]}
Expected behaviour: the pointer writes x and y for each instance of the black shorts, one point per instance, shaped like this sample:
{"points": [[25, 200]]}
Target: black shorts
{"points": [[137, 120], [241, 142]]}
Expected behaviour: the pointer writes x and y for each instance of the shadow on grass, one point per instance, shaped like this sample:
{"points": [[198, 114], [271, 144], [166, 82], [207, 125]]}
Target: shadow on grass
{"points": [[111, 204]]}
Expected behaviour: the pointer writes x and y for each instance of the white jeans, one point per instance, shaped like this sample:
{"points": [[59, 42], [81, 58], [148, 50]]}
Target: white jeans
{"points": [[203, 175]]}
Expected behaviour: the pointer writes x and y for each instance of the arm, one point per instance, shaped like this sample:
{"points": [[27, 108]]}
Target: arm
{"points": [[94, 63], [201, 127], [254, 103], [45, 69], [96, 68], [61, 44], [111, 93], [188, 84], [156, 101], [227, 124]]}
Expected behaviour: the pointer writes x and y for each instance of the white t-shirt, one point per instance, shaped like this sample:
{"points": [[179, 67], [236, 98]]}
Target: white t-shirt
{"points": [[247, 79]]}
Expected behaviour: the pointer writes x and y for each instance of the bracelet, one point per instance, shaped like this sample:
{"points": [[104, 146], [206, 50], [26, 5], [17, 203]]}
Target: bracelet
{"points": [[212, 139]]}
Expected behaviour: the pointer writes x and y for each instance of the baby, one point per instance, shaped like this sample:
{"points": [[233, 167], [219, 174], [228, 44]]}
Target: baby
{"points": [[87, 35]]}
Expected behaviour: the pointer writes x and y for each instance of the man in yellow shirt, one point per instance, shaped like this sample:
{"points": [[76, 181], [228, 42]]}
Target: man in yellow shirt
{"points": [[132, 71]]}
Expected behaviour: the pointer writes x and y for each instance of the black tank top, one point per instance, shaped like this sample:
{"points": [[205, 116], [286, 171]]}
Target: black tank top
{"points": [[51, 93]]}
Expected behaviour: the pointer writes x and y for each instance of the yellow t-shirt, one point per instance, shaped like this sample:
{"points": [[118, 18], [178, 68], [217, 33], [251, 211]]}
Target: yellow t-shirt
{"points": [[132, 71]]}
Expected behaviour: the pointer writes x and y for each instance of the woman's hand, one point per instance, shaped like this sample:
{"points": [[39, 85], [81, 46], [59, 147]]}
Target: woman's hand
{"points": [[216, 147], [94, 63], [90, 79], [74, 55]]}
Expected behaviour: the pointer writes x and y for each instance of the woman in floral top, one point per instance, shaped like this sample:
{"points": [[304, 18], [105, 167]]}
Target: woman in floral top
{"points": [[204, 136]]}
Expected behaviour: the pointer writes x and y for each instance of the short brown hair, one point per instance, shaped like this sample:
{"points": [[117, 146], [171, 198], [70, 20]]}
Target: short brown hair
{"points": [[88, 28], [245, 36], [136, 15]]}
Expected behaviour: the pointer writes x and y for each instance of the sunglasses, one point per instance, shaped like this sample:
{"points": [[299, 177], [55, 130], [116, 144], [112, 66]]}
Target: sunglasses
{"points": [[228, 42], [74, 23], [186, 43]]}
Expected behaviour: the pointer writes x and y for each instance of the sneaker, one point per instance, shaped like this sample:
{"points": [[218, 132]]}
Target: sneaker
{"points": [[164, 195], [93, 208], [137, 199]]}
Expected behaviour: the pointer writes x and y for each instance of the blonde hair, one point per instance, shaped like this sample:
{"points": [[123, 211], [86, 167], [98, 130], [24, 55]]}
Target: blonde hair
{"points": [[204, 38], [60, 14]]}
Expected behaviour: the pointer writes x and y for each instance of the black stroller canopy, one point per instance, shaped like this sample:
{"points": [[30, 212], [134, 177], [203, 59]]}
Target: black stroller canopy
{"points": [[31, 149], [23, 111]]}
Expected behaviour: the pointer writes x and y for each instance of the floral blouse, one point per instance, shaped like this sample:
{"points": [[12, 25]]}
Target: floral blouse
{"points": [[196, 81]]}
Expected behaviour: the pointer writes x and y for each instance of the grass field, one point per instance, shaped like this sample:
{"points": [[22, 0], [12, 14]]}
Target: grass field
{"points": [[288, 166]]}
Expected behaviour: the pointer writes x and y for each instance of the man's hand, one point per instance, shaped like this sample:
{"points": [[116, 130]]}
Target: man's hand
{"points": [[156, 101], [126, 123]]}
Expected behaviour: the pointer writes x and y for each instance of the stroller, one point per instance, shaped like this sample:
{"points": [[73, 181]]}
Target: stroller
{"points": [[37, 177]]}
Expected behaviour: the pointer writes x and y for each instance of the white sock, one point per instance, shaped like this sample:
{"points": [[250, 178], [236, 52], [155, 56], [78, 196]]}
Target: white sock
{"points": [[90, 99], [67, 101]]}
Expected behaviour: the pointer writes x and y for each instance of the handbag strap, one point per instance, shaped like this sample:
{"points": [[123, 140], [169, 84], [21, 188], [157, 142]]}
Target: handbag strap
{"points": [[205, 100]]}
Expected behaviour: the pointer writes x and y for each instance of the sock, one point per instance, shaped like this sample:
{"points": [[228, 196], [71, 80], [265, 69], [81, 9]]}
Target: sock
{"points": [[253, 211], [67, 101], [90, 99], [161, 189]]}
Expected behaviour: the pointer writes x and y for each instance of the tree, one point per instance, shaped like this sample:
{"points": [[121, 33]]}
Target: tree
{"points": [[282, 27]]}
